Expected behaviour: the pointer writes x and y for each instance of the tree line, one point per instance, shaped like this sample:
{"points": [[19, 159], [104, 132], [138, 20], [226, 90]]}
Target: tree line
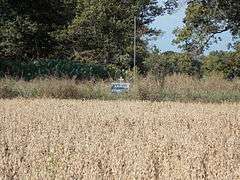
{"points": [[85, 38]]}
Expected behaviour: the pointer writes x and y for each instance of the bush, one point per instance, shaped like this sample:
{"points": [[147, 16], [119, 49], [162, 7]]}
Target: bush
{"points": [[226, 63], [169, 63], [58, 68]]}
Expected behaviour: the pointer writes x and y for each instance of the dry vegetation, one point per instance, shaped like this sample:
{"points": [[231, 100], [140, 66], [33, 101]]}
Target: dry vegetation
{"points": [[181, 88], [70, 139]]}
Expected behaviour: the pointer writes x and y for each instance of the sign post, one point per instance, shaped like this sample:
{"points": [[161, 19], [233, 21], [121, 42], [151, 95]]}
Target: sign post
{"points": [[120, 87]]}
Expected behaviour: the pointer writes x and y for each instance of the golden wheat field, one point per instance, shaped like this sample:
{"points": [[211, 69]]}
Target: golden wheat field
{"points": [[70, 139]]}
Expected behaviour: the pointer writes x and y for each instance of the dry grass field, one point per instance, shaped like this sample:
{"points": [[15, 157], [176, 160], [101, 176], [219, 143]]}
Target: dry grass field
{"points": [[70, 139]]}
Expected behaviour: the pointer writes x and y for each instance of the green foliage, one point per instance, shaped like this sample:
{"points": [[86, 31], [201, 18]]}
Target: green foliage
{"points": [[26, 27], [95, 38], [168, 63], [227, 63], [102, 31], [92, 32], [52, 28], [57, 68], [204, 20], [227, 11]]}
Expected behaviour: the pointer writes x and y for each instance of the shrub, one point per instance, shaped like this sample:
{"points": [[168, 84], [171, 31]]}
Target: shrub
{"points": [[58, 68]]}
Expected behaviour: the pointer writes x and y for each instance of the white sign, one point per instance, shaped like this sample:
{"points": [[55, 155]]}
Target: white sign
{"points": [[120, 87]]}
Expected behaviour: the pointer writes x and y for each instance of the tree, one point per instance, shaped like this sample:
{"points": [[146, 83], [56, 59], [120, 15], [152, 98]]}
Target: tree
{"points": [[103, 30], [228, 11], [86, 30], [204, 20], [168, 63], [26, 26], [226, 63]]}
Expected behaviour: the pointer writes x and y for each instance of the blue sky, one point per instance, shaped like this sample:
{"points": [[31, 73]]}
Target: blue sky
{"points": [[169, 22]]}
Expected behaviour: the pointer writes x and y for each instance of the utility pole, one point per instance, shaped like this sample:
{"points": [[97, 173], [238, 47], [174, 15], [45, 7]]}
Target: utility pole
{"points": [[134, 48]]}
